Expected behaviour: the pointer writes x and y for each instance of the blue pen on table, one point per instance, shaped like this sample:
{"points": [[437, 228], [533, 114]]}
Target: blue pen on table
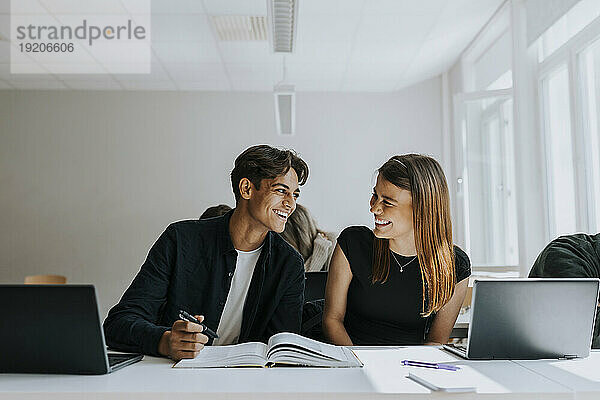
{"points": [[424, 364], [184, 315]]}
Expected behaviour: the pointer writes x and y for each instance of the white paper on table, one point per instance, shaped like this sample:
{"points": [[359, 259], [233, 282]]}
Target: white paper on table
{"points": [[466, 379]]}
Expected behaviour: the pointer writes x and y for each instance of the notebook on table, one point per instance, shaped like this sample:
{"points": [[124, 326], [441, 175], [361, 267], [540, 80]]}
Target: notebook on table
{"points": [[54, 329], [530, 319]]}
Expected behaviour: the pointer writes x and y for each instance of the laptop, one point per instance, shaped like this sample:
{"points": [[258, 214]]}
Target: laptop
{"points": [[528, 319], [54, 329]]}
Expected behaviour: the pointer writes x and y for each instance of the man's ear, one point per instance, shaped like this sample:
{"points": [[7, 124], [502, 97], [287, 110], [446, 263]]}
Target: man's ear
{"points": [[246, 188]]}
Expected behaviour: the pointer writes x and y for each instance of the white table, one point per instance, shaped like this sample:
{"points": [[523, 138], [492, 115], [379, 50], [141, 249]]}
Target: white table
{"points": [[381, 377], [582, 376]]}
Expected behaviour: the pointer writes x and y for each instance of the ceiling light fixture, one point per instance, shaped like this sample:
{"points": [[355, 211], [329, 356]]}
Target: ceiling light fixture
{"points": [[285, 106], [240, 27], [283, 19]]}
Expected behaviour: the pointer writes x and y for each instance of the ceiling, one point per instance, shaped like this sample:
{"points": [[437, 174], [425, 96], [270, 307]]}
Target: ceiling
{"points": [[342, 45]]}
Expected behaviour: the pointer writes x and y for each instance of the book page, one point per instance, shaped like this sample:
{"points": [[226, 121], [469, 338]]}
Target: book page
{"points": [[286, 338], [237, 355]]}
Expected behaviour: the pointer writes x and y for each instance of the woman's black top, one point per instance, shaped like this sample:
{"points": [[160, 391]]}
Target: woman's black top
{"points": [[390, 312]]}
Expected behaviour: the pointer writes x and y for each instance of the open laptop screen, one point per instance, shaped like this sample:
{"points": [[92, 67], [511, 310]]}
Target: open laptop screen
{"points": [[51, 329], [532, 318]]}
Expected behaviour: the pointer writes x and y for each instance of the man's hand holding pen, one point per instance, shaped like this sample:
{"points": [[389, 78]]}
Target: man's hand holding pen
{"points": [[184, 340]]}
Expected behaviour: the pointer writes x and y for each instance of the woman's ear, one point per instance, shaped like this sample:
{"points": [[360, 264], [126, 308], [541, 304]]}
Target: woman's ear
{"points": [[246, 187]]}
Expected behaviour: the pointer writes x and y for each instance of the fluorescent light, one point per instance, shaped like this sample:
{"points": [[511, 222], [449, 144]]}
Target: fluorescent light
{"points": [[285, 109], [283, 20]]}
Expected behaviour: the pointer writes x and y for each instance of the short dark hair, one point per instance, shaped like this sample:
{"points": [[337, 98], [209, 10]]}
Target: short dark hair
{"points": [[265, 162], [215, 211]]}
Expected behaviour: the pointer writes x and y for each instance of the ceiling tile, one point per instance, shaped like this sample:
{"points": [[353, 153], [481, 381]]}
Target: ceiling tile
{"points": [[92, 85], [328, 27], [204, 85], [323, 85], [384, 53], [25, 7], [236, 7], [272, 73], [315, 71], [177, 7], [252, 86], [149, 85], [469, 10], [186, 52], [369, 85], [181, 28], [157, 73], [382, 71], [103, 77], [76, 69], [394, 27], [196, 72], [406, 7], [248, 52], [339, 7], [321, 52], [29, 70], [108, 7]]}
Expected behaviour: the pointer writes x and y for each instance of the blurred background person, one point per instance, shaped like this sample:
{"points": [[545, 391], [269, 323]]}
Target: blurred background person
{"points": [[215, 211], [315, 246]]}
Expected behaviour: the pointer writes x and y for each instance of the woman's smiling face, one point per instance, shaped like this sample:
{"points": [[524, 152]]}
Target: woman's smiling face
{"points": [[392, 208]]}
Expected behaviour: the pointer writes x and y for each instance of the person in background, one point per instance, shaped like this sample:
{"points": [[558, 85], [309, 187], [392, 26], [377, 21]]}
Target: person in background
{"points": [[403, 281], [571, 256], [315, 245], [233, 272], [215, 211]]}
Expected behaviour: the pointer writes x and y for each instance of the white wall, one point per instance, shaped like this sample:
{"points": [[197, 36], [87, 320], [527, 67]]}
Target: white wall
{"points": [[90, 179]]}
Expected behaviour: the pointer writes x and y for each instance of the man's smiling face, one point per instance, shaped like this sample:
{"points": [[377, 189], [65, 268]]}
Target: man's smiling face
{"points": [[274, 201]]}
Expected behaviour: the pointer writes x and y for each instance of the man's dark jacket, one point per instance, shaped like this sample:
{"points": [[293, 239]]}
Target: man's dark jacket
{"points": [[571, 256], [190, 267]]}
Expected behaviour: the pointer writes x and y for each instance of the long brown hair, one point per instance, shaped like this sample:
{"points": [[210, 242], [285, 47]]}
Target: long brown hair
{"points": [[424, 178]]}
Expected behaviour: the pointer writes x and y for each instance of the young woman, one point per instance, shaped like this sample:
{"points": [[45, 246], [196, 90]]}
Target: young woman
{"points": [[402, 282]]}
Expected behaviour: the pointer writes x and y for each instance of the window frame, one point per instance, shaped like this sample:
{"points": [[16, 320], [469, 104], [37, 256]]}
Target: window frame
{"points": [[460, 150], [568, 55]]}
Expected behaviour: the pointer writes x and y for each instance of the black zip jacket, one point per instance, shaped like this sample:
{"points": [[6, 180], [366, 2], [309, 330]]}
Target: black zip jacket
{"points": [[190, 267]]}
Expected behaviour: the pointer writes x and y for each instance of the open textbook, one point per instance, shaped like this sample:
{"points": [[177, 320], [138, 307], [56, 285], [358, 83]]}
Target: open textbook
{"points": [[283, 349]]}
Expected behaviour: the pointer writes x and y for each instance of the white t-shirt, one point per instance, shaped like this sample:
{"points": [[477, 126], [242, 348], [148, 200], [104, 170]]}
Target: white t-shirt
{"points": [[231, 320]]}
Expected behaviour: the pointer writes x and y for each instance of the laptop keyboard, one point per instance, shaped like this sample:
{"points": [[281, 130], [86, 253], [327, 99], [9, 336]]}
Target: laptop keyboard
{"points": [[114, 359]]}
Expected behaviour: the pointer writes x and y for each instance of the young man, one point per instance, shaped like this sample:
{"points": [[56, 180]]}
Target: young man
{"points": [[233, 272]]}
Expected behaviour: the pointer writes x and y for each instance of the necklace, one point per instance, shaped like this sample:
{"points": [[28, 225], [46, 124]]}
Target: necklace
{"points": [[402, 265]]}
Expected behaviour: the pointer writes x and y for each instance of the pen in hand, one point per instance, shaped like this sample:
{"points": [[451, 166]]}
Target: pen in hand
{"points": [[184, 315]]}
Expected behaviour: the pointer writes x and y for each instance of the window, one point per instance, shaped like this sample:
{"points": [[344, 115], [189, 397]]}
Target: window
{"points": [[490, 181], [568, 77], [484, 149], [559, 152], [589, 61], [567, 26]]}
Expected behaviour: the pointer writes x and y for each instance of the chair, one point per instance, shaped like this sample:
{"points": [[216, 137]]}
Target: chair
{"points": [[314, 300], [314, 285], [45, 280]]}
